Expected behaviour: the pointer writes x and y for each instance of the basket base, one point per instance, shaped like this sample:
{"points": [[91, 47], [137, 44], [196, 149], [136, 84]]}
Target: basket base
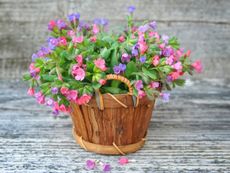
{"points": [[108, 149]]}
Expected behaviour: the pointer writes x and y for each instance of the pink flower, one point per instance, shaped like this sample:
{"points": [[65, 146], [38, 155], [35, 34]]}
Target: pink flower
{"points": [[188, 53], [32, 67], [169, 60], [162, 46], [100, 63], [179, 53], [197, 66], [154, 84], [78, 73], [138, 84], [64, 90], [93, 39], [56, 106], [102, 81], [63, 108], [175, 75], [79, 60], [30, 91], [85, 98], [141, 94], [62, 41], [156, 60], [143, 47], [51, 25], [72, 95], [177, 66], [151, 34], [123, 160], [95, 29], [90, 164], [121, 39], [71, 33], [77, 39]]}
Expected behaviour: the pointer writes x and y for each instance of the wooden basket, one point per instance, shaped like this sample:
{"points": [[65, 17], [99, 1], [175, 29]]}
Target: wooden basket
{"points": [[112, 124]]}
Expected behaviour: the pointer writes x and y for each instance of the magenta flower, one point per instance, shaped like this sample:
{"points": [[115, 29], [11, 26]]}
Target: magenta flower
{"points": [[64, 90], [165, 97], [143, 47], [40, 98], [72, 95], [106, 167], [138, 84], [54, 90], [125, 57], [62, 41], [154, 84], [63, 108], [90, 164], [77, 39], [85, 98], [168, 51], [100, 63], [95, 29], [197, 66], [51, 25], [123, 161], [79, 60], [141, 94]]}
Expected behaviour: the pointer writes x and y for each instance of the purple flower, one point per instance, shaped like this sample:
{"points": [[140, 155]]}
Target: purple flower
{"points": [[138, 84], [119, 68], [143, 28], [165, 39], [45, 50], [142, 59], [135, 50], [55, 112], [90, 164], [33, 73], [153, 25], [125, 57], [73, 17], [101, 21], [165, 97], [168, 51], [169, 78], [54, 90], [34, 57], [106, 168], [49, 102], [61, 24], [52, 42], [131, 9]]}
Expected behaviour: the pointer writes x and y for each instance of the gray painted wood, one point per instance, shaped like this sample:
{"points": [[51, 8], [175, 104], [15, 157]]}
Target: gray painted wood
{"points": [[191, 133], [202, 26]]}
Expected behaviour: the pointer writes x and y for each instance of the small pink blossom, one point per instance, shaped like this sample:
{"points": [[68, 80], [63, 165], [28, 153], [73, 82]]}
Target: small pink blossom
{"points": [[100, 63], [175, 75], [90, 164], [188, 53], [121, 39], [63, 108], [102, 81], [71, 33], [177, 66], [95, 29], [179, 53], [141, 94], [151, 34], [79, 60], [197, 66], [77, 39], [162, 46], [154, 84], [156, 60], [40, 98], [93, 39], [32, 67], [64, 90], [62, 41], [143, 47], [85, 98], [123, 161], [79, 74], [72, 95], [30, 91], [169, 60]]}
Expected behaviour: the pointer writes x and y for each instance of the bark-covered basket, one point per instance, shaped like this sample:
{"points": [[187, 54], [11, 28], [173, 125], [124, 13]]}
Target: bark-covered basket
{"points": [[112, 124]]}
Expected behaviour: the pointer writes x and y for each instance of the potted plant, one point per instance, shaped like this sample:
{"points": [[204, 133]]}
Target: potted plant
{"points": [[107, 81]]}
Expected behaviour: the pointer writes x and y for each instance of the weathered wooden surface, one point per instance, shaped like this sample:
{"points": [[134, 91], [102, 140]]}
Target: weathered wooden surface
{"points": [[191, 133], [202, 26]]}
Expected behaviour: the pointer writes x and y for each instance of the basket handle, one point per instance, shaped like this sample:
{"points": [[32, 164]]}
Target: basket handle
{"points": [[123, 79]]}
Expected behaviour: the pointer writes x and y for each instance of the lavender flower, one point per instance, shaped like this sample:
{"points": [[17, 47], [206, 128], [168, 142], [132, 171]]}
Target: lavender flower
{"points": [[165, 38], [168, 51], [153, 25], [90, 164], [119, 68], [135, 50], [55, 112], [138, 84], [106, 168], [54, 90], [125, 57], [73, 17], [165, 97], [142, 59], [61, 24], [52, 42], [101, 21], [143, 28], [131, 9], [34, 57], [49, 102]]}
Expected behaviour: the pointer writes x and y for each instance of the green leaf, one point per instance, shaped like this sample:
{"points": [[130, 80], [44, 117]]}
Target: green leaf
{"points": [[179, 82], [114, 58], [39, 62], [105, 53], [26, 77], [130, 68], [174, 43], [113, 90], [166, 69], [96, 85], [151, 73], [48, 78]]}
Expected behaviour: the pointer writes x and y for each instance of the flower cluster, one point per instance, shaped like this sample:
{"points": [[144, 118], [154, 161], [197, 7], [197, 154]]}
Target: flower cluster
{"points": [[78, 55]]}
